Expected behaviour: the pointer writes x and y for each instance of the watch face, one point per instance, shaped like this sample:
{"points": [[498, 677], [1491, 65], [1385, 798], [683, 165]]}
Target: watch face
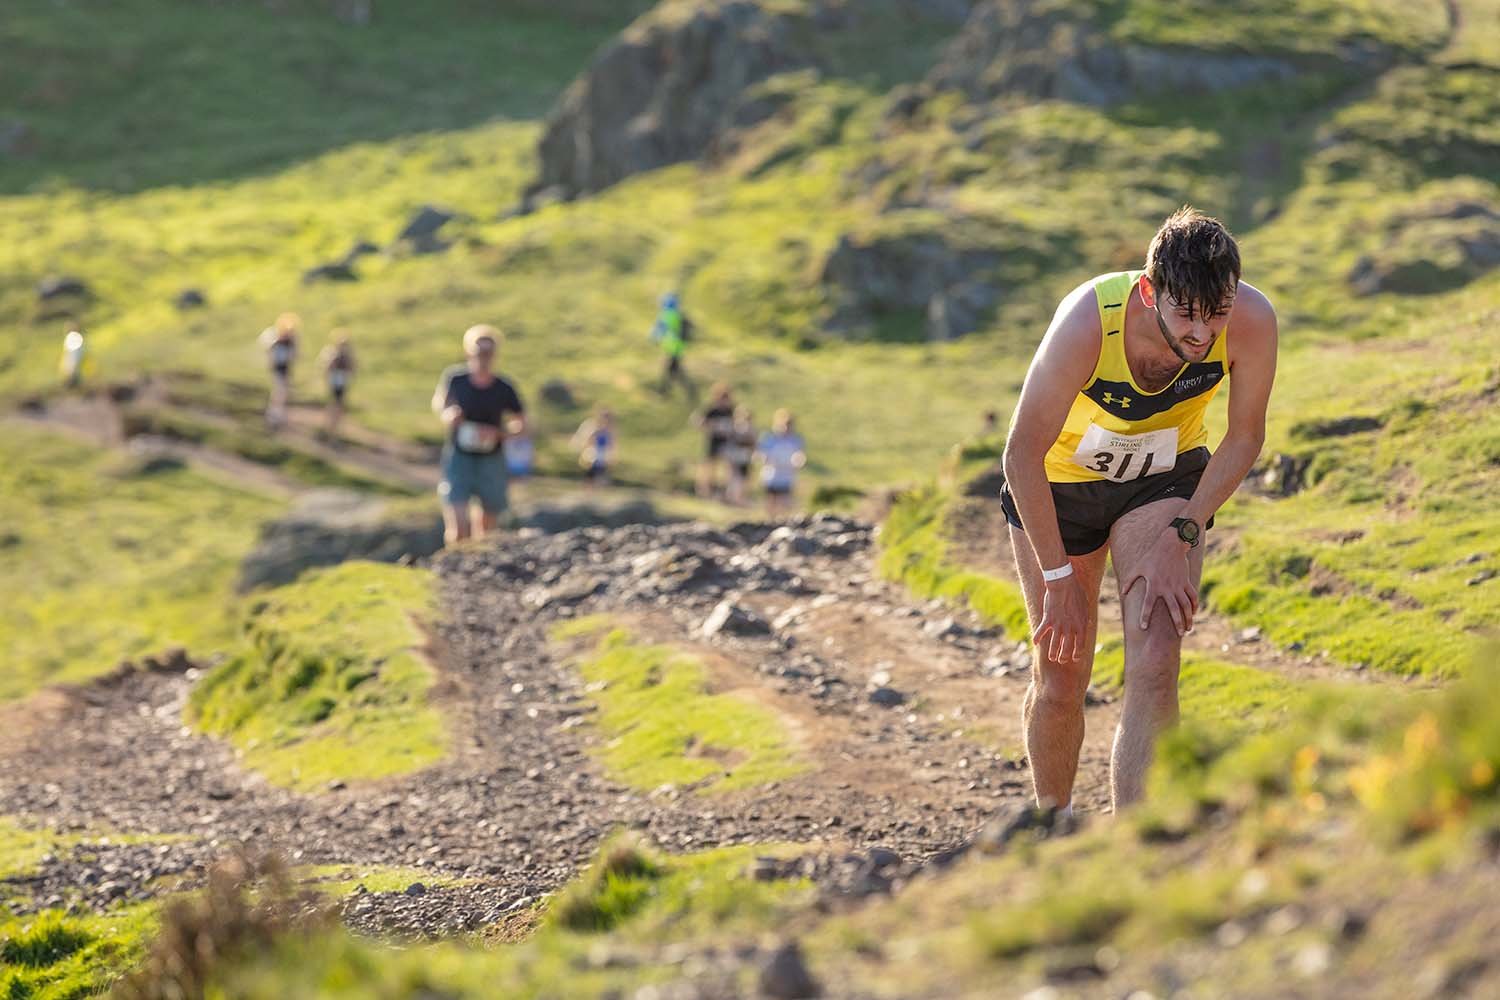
{"points": [[1188, 531]]}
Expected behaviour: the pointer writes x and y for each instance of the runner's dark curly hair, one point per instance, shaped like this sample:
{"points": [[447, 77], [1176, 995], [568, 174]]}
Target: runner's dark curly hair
{"points": [[1195, 260]]}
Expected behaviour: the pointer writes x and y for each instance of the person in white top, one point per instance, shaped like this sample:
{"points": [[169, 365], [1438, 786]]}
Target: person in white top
{"points": [[280, 344], [72, 357]]}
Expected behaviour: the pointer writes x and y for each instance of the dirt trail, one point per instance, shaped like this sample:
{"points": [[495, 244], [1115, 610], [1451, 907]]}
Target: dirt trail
{"points": [[520, 803]]}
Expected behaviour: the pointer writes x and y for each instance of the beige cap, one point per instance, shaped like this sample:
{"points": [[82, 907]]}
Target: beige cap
{"points": [[481, 331]]}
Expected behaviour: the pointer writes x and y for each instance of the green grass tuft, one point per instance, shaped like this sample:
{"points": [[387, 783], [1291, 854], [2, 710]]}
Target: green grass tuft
{"points": [[329, 685], [914, 552], [661, 725], [56, 956]]}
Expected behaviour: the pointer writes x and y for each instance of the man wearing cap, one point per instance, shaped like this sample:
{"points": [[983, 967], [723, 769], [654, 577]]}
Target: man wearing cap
{"points": [[479, 409]]}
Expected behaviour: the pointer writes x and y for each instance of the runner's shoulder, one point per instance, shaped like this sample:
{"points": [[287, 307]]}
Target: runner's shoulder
{"points": [[1252, 309], [1072, 344]]}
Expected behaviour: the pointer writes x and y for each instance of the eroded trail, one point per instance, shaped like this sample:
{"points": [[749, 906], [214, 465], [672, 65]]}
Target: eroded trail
{"points": [[522, 801]]}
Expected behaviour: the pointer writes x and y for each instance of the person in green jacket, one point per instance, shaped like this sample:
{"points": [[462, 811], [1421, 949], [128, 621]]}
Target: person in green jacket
{"points": [[672, 332]]}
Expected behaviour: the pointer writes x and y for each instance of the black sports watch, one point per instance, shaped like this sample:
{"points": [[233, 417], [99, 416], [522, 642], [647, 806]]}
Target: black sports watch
{"points": [[1188, 530]]}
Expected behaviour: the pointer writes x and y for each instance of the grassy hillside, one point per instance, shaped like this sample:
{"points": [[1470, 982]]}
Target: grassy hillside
{"points": [[107, 558]]}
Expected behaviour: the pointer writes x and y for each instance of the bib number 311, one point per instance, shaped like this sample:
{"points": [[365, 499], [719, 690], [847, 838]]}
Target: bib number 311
{"points": [[1123, 457]]}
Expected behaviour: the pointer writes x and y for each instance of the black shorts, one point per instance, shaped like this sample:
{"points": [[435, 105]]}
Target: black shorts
{"points": [[716, 445], [1086, 511], [778, 490]]}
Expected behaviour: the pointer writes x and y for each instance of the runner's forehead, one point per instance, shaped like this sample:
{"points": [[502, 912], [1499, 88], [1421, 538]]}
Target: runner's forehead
{"points": [[1177, 305]]}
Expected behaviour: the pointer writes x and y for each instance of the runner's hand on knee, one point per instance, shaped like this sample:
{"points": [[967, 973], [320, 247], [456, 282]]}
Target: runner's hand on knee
{"points": [[1064, 621], [1165, 575]]}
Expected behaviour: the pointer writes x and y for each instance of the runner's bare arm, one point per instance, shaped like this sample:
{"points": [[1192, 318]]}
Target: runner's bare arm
{"points": [[1062, 365], [1064, 362], [1252, 369]]}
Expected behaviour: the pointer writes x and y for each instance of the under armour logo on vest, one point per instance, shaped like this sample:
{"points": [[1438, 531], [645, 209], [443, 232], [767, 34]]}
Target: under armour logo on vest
{"points": [[1111, 399]]}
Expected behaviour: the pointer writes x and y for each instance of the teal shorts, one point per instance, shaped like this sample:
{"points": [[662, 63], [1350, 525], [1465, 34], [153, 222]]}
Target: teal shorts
{"points": [[467, 476]]}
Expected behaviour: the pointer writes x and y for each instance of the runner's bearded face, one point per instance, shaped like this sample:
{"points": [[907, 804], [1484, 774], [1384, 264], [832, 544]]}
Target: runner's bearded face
{"points": [[1190, 333]]}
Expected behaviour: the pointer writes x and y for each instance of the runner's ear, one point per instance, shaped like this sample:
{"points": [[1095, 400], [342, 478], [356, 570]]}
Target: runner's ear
{"points": [[1148, 294]]}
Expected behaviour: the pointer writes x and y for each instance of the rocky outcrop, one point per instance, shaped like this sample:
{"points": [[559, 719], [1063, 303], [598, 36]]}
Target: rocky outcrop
{"points": [[1434, 248], [1050, 49], [950, 285], [1044, 49], [661, 93]]}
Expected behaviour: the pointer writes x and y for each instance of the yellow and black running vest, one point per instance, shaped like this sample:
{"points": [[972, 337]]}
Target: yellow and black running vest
{"points": [[1115, 431]]}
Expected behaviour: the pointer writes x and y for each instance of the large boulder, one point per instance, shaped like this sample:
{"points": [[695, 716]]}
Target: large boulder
{"points": [[922, 273], [1051, 49], [662, 92], [1432, 248]]}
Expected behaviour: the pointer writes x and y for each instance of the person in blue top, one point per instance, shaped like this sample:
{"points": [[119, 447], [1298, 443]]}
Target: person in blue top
{"points": [[671, 332], [595, 441], [782, 454]]}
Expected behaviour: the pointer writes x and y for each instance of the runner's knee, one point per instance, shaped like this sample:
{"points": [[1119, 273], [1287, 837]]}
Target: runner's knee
{"points": [[1063, 683]]}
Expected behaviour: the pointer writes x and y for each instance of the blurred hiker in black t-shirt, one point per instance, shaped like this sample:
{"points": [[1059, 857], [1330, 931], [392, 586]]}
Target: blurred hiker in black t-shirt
{"points": [[717, 423], [479, 409]]}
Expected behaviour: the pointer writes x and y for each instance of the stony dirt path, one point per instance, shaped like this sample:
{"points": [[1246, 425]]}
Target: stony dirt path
{"points": [[521, 803]]}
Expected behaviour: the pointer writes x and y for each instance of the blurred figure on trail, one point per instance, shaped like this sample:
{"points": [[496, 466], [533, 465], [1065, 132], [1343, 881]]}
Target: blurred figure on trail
{"points": [[738, 453], [782, 454], [672, 332], [595, 441], [73, 353], [520, 456], [280, 344], [717, 423], [991, 423], [337, 361], [479, 409]]}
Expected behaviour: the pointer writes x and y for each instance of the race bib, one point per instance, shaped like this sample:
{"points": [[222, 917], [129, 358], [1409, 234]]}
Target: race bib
{"points": [[471, 437], [1123, 457]]}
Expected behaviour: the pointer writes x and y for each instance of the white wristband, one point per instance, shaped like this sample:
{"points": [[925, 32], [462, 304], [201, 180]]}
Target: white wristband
{"points": [[1061, 573]]}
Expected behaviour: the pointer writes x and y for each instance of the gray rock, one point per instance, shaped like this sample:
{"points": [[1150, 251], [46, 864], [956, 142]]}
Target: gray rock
{"points": [[362, 248], [868, 277], [1432, 248], [426, 222], [420, 234], [662, 92], [1051, 51], [62, 286], [887, 697], [336, 271], [730, 618], [960, 310], [556, 392], [190, 298], [785, 975]]}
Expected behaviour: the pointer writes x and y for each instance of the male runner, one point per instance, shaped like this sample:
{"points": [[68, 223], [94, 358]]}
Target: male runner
{"points": [[1108, 454]]}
